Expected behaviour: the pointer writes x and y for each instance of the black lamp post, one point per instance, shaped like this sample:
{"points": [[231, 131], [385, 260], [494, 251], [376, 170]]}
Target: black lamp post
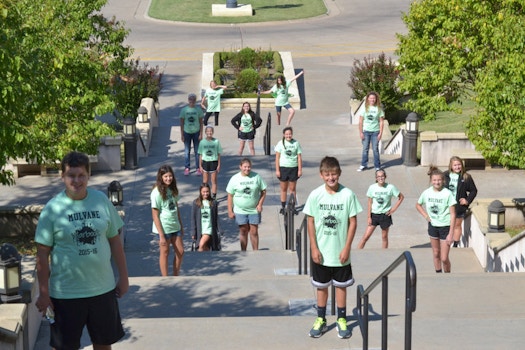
{"points": [[410, 140], [115, 193], [10, 274], [130, 144], [231, 4], [142, 113], [496, 216]]}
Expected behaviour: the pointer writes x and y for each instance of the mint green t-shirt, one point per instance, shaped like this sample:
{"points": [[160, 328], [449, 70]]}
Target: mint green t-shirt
{"points": [[206, 217], [288, 152], [246, 192], [78, 232], [210, 149], [191, 117], [246, 123], [331, 213], [168, 213], [281, 94], [382, 197], [437, 204], [371, 118], [213, 99]]}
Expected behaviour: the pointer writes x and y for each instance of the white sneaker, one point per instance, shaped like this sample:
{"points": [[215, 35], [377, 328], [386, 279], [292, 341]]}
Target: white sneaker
{"points": [[361, 168]]}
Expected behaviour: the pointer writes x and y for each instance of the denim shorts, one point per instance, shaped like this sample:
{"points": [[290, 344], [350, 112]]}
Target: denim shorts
{"points": [[279, 108], [244, 219], [171, 235]]}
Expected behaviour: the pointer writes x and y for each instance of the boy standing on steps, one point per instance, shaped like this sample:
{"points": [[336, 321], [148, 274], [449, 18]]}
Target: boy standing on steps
{"points": [[331, 211]]}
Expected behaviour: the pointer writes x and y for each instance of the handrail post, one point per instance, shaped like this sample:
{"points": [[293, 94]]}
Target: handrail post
{"points": [[384, 312]]}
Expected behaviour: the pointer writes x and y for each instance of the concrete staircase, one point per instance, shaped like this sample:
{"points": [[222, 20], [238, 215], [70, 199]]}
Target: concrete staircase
{"points": [[236, 300]]}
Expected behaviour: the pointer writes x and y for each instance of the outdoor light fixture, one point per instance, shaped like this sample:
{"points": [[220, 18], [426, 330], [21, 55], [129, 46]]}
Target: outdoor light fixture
{"points": [[129, 126], [130, 143], [10, 273], [410, 140], [412, 122], [115, 193], [142, 114], [496, 216]]}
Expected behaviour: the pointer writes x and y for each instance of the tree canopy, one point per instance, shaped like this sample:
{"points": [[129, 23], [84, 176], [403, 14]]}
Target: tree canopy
{"points": [[457, 49], [57, 58]]}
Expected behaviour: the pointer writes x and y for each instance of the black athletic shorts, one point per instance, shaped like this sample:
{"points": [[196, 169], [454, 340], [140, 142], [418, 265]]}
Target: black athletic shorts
{"points": [[289, 174], [99, 313]]}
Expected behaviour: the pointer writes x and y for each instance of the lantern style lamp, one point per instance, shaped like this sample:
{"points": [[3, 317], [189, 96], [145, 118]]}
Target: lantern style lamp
{"points": [[410, 140], [10, 273], [115, 193], [129, 126], [496, 216], [130, 143], [142, 113]]}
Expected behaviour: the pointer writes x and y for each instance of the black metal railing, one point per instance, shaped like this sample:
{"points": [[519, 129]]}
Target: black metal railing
{"points": [[301, 247], [289, 213], [410, 301], [267, 138]]}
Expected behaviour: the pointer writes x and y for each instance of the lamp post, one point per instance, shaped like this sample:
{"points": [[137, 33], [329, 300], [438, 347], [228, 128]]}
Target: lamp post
{"points": [[410, 140], [10, 274], [115, 193], [142, 113], [496, 216], [231, 4], [130, 143]]}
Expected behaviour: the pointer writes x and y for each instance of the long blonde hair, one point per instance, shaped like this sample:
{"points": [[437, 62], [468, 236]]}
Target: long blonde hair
{"points": [[378, 100]]}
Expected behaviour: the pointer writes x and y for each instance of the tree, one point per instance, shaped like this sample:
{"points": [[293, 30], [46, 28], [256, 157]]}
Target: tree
{"points": [[57, 60], [457, 49]]}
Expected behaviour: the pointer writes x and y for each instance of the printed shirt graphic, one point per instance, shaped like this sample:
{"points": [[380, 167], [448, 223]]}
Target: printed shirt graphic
{"points": [[210, 149], [453, 183], [288, 152], [371, 118], [206, 217], [191, 118], [331, 213], [246, 191], [78, 232], [382, 197], [246, 123], [213, 100], [437, 204], [168, 214], [281, 94]]}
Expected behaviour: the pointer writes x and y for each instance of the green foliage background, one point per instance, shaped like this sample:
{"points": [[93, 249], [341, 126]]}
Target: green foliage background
{"points": [[457, 50], [57, 58]]}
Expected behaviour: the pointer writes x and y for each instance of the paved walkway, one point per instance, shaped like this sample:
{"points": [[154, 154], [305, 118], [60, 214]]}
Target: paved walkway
{"points": [[325, 48]]}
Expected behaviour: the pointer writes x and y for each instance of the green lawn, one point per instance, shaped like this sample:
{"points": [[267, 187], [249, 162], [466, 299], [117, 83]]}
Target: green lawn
{"points": [[447, 121], [265, 10]]}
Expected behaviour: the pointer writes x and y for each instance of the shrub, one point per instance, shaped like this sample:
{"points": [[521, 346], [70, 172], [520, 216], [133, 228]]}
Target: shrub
{"points": [[278, 63], [377, 74], [248, 80], [139, 81], [216, 62]]}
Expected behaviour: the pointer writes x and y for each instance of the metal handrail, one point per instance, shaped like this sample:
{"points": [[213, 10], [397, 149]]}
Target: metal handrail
{"points": [[268, 136], [301, 247], [410, 301], [289, 213]]}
